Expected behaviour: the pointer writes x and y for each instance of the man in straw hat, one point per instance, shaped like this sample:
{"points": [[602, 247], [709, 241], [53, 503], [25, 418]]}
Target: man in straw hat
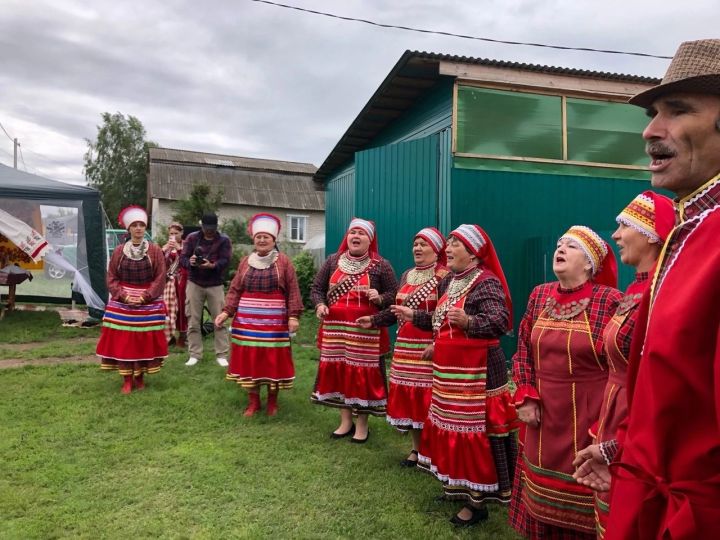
{"points": [[666, 480]]}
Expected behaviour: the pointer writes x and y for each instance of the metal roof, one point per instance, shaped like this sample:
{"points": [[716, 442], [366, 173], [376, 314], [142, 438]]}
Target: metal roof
{"points": [[412, 75], [203, 158], [244, 181]]}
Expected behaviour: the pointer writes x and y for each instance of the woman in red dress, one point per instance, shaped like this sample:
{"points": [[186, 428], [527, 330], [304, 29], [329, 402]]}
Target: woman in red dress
{"points": [[468, 440], [560, 370], [354, 282], [642, 229], [411, 368], [132, 340], [265, 303]]}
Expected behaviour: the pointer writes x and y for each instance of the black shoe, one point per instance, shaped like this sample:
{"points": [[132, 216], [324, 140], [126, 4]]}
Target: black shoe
{"points": [[360, 441], [410, 462], [478, 515], [350, 431]]}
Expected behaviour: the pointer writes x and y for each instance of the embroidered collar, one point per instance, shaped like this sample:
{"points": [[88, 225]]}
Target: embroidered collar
{"points": [[568, 303], [639, 284], [459, 285], [263, 262], [634, 293], [704, 197], [353, 265], [136, 253], [420, 274]]}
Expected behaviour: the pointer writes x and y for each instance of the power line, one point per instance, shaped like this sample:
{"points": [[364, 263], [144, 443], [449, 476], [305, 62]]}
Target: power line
{"points": [[44, 158], [6, 133], [462, 36]]}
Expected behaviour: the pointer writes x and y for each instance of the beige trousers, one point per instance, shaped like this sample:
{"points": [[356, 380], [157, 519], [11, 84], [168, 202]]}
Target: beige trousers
{"points": [[195, 299]]}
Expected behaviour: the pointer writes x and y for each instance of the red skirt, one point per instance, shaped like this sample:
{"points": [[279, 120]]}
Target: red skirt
{"points": [[455, 444], [351, 374], [260, 342], [132, 340], [410, 379], [612, 413]]}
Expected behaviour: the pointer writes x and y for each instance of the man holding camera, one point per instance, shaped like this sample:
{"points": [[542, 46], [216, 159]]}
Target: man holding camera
{"points": [[206, 254]]}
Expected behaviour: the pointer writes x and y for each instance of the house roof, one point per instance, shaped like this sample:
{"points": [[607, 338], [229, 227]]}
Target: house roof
{"points": [[244, 181], [413, 74]]}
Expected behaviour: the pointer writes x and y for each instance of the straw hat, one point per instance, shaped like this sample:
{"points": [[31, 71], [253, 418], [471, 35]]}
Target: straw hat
{"points": [[694, 68]]}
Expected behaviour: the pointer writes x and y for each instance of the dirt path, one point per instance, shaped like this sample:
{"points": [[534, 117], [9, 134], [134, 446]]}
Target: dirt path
{"points": [[87, 359], [34, 344]]}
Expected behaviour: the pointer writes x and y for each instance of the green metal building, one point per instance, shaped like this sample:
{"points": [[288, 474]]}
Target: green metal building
{"points": [[525, 151]]}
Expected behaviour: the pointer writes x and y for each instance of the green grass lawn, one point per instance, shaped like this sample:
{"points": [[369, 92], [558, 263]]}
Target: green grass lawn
{"points": [[42, 285], [179, 460]]}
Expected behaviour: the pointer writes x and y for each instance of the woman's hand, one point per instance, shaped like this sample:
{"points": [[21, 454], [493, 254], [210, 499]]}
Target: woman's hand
{"points": [[293, 325], [403, 313], [428, 352], [374, 296], [170, 244], [529, 413], [591, 469], [364, 322], [220, 319], [321, 311], [458, 317]]}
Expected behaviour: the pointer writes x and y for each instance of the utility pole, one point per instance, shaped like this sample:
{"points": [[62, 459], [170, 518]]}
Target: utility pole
{"points": [[15, 146]]}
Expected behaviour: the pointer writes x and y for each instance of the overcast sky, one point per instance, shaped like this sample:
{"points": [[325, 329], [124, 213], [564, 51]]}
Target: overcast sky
{"points": [[244, 78]]}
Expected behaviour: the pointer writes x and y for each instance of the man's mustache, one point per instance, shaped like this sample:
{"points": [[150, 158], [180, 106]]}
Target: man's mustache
{"points": [[658, 148]]}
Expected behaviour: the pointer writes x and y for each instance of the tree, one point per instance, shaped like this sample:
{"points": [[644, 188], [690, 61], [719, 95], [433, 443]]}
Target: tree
{"points": [[201, 200], [117, 162], [237, 231]]}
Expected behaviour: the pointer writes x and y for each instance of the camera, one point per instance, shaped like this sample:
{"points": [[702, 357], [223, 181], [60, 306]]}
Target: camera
{"points": [[199, 258]]}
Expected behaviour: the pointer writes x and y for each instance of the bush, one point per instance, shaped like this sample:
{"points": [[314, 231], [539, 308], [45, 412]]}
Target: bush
{"points": [[238, 252], [305, 270], [237, 231]]}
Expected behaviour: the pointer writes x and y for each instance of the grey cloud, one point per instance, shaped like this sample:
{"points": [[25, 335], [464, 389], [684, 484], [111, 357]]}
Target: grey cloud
{"points": [[251, 79]]}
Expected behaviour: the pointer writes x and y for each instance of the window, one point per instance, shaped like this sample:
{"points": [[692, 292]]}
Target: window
{"points": [[297, 225], [539, 127], [495, 122], [601, 132]]}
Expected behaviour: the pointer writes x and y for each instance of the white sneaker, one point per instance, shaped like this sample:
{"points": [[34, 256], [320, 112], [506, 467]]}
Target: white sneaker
{"points": [[192, 361], [222, 361]]}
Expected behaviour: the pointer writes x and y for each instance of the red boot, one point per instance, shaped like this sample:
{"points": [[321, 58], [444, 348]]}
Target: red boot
{"points": [[253, 405], [139, 382], [272, 406], [127, 385]]}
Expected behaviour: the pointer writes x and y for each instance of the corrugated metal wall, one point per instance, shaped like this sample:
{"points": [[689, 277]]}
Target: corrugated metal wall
{"points": [[397, 187], [445, 163], [524, 214], [431, 114], [339, 207], [428, 117]]}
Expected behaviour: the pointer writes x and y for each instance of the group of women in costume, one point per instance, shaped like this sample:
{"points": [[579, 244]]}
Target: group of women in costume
{"points": [[448, 383]]}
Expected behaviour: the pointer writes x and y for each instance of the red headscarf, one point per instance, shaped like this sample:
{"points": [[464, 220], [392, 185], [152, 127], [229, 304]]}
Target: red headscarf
{"points": [[480, 245], [650, 214], [369, 228], [436, 241], [598, 252]]}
